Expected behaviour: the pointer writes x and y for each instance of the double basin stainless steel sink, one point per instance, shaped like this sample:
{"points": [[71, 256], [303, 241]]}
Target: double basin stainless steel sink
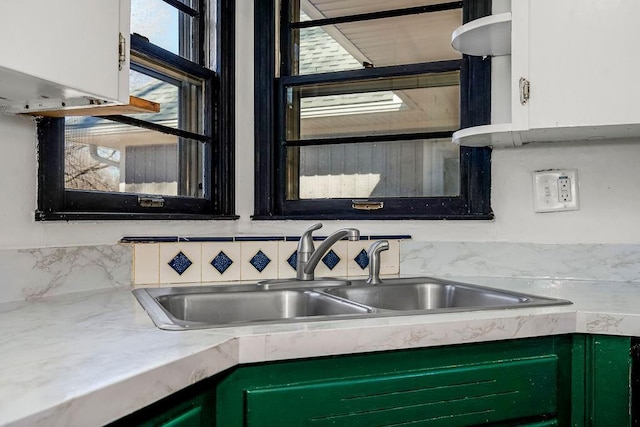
{"points": [[199, 307]]}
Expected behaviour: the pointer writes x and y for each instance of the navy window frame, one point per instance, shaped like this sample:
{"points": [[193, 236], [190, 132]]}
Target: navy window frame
{"points": [[270, 144], [57, 203]]}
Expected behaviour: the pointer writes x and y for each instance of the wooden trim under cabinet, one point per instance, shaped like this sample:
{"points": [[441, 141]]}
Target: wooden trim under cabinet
{"points": [[136, 106]]}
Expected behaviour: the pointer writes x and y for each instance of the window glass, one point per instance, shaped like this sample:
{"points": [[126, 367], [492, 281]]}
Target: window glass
{"points": [[180, 100], [164, 93], [413, 104], [420, 168], [320, 9], [90, 166], [399, 40], [163, 25], [104, 155]]}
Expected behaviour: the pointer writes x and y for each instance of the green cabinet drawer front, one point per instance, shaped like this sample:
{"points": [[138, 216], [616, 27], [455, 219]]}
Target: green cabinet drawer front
{"points": [[452, 396]]}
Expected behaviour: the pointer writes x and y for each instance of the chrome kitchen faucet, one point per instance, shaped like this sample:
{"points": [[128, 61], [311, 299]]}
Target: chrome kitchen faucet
{"points": [[309, 256]]}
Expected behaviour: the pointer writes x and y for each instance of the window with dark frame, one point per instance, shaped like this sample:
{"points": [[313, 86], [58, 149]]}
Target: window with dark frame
{"points": [[175, 164], [355, 120]]}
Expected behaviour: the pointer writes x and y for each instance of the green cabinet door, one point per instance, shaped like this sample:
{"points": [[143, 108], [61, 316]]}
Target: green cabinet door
{"points": [[515, 382], [451, 396], [602, 370]]}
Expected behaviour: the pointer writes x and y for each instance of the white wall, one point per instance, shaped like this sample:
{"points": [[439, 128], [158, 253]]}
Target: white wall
{"points": [[609, 175]]}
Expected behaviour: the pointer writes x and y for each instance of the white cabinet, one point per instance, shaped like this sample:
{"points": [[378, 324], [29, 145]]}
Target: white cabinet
{"points": [[63, 53], [579, 59]]}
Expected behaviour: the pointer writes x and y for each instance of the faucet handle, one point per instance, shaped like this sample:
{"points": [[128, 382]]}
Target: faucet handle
{"points": [[306, 240], [314, 227]]}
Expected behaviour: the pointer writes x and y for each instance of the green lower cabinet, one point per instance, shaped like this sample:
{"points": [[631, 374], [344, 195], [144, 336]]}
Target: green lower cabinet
{"points": [[518, 382], [570, 380], [461, 395], [602, 377], [192, 407]]}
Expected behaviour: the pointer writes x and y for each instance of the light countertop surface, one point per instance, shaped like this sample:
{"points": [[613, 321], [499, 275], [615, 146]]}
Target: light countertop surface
{"points": [[89, 358]]}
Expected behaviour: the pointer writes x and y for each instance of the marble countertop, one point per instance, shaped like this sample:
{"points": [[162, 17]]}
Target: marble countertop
{"points": [[89, 358]]}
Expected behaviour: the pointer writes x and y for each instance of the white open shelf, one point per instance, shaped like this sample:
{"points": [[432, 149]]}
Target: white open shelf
{"points": [[503, 135], [497, 136], [490, 35]]}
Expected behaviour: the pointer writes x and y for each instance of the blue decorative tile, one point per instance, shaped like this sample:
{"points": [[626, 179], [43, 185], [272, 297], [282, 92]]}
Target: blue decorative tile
{"points": [[180, 263], [331, 259], [221, 262], [293, 260], [362, 259], [260, 261]]}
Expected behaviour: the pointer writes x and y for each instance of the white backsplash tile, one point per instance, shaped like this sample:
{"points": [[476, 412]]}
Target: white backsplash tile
{"points": [[259, 260], [186, 259], [146, 263], [389, 259], [334, 262], [357, 260], [221, 261], [285, 251]]}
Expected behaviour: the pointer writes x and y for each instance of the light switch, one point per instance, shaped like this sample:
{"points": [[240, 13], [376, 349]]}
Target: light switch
{"points": [[555, 190]]}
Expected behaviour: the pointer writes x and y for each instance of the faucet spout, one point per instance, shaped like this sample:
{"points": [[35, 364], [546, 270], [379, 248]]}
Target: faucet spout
{"points": [[309, 257]]}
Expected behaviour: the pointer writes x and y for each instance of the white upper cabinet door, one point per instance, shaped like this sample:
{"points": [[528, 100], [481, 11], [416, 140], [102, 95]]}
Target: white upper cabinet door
{"points": [[583, 62], [569, 74], [61, 50]]}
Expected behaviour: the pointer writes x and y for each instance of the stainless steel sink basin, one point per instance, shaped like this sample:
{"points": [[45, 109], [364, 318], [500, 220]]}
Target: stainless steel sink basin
{"points": [[198, 307], [195, 308], [413, 294]]}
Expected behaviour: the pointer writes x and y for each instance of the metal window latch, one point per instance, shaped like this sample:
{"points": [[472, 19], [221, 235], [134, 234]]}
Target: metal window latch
{"points": [[122, 51], [366, 205], [524, 90], [150, 201]]}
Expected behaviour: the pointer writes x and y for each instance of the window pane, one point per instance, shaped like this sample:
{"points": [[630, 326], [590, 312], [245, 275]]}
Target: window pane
{"points": [[382, 42], [171, 94], [164, 26], [105, 155], [425, 103], [319, 9], [419, 168], [155, 90]]}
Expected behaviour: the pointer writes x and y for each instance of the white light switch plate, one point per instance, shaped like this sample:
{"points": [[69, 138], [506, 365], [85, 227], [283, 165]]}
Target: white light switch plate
{"points": [[555, 190]]}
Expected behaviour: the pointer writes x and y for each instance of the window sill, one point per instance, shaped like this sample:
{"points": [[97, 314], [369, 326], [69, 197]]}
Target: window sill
{"points": [[377, 217], [109, 216]]}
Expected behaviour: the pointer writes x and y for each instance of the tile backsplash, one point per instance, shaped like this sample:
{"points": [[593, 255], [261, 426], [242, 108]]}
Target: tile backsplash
{"points": [[184, 260], [42, 272]]}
